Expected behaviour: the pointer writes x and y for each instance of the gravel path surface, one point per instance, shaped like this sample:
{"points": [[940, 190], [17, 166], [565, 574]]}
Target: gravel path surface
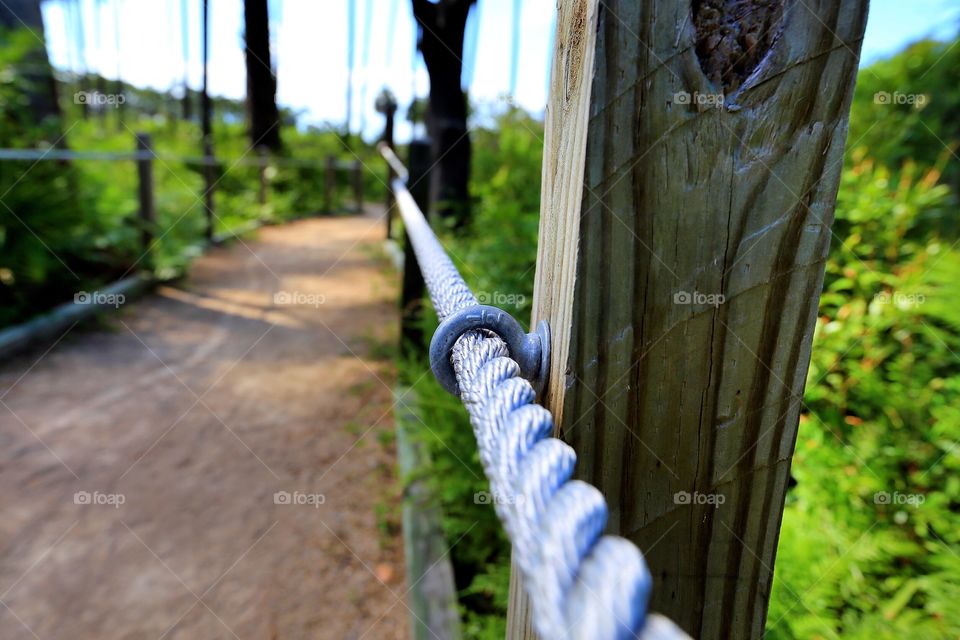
{"points": [[187, 422]]}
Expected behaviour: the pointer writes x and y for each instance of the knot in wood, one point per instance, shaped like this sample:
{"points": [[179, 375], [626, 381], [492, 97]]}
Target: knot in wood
{"points": [[733, 36]]}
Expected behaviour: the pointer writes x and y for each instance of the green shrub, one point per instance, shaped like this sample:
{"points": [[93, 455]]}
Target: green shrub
{"points": [[869, 546], [869, 543]]}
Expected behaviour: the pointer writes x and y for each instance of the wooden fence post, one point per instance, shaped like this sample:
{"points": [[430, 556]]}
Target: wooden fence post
{"points": [[387, 105], [262, 160], [209, 184], [358, 186], [687, 197], [412, 290], [145, 193], [329, 183]]}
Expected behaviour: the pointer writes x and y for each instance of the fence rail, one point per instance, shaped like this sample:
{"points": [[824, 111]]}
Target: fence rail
{"points": [[246, 160], [143, 156]]}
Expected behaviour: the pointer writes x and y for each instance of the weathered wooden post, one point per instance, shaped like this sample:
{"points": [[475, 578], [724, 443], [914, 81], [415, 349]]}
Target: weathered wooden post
{"points": [[387, 105], [209, 186], [263, 159], [330, 178], [413, 289], [692, 161], [145, 193], [357, 176]]}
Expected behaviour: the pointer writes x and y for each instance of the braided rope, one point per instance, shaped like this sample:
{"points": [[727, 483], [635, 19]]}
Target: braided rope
{"points": [[581, 584]]}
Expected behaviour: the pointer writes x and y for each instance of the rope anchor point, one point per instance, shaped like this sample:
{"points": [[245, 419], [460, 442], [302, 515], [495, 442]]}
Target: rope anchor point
{"points": [[530, 350]]}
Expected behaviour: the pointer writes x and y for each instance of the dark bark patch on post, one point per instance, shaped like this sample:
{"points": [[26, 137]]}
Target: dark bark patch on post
{"points": [[733, 36], [574, 47]]}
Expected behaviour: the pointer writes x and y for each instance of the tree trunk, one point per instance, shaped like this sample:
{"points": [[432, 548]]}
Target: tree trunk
{"points": [[442, 27], [713, 141], [261, 82], [206, 126], [185, 40], [41, 90]]}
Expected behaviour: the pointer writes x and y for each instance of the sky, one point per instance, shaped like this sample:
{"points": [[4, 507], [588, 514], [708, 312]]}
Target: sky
{"points": [[310, 41]]}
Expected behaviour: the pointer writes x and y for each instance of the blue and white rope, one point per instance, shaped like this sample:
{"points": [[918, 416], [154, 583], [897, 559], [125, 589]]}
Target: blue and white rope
{"points": [[581, 584]]}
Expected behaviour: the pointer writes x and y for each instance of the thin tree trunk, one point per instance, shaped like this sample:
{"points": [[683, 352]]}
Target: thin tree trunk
{"points": [[118, 85], [442, 27], [185, 38], [42, 87], [261, 82], [206, 126]]}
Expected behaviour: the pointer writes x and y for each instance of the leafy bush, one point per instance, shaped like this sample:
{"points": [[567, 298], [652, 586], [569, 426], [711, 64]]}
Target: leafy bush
{"points": [[869, 543], [907, 107], [869, 546], [43, 224]]}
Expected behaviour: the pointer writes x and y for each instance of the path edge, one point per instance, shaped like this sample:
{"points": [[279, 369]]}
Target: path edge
{"points": [[51, 325], [432, 596]]}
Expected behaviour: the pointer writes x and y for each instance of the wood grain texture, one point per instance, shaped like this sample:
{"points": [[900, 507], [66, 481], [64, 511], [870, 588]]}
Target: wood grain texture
{"points": [[561, 196], [683, 333], [561, 192], [519, 621]]}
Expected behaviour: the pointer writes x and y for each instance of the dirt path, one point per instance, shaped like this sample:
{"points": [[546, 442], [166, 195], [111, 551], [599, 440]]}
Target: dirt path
{"points": [[203, 401]]}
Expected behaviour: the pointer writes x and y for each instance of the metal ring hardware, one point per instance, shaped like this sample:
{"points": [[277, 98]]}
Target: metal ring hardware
{"points": [[530, 350]]}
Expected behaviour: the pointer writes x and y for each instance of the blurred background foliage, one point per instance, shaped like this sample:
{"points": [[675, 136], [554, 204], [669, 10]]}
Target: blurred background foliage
{"points": [[870, 546], [74, 225]]}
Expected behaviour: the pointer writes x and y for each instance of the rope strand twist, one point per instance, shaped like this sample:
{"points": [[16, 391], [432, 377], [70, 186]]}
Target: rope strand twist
{"points": [[581, 584]]}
